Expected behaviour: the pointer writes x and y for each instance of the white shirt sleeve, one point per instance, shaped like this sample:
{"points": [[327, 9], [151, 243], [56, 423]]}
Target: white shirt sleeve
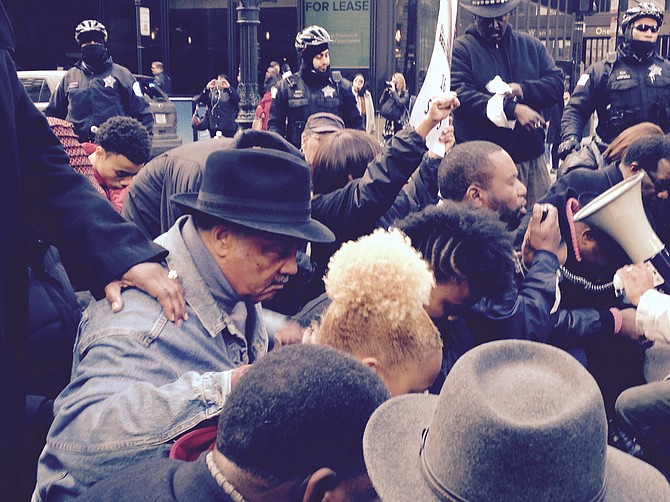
{"points": [[653, 316]]}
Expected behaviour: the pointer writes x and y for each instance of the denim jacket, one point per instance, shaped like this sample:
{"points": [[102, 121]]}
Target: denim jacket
{"points": [[138, 381]]}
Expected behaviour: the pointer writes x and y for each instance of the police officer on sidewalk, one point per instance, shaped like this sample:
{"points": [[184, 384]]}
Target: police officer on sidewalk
{"points": [[315, 88], [96, 88], [630, 86]]}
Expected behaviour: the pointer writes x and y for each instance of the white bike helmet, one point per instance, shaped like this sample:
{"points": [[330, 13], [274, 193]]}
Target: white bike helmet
{"points": [[644, 9], [311, 36], [88, 26]]}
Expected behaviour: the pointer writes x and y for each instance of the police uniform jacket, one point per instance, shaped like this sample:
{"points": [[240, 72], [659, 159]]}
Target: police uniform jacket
{"points": [[87, 99], [624, 91], [298, 96]]}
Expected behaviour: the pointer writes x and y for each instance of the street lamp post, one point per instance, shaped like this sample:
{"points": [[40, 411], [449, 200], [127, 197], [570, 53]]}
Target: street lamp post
{"points": [[248, 18], [138, 34], [577, 46]]}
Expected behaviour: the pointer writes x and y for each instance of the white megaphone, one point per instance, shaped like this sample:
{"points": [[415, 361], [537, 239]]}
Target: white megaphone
{"points": [[619, 213]]}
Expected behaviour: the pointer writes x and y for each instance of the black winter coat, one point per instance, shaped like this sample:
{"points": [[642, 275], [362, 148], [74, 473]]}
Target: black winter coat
{"points": [[223, 106], [87, 99], [517, 58], [353, 210]]}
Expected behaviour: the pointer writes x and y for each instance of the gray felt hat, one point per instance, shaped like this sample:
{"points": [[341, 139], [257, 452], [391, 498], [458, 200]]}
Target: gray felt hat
{"points": [[515, 420], [657, 362]]}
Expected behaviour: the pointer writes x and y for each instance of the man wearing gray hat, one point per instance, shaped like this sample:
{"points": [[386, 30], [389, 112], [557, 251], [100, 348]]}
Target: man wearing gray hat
{"points": [[515, 421], [504, 80], [138, 381]]}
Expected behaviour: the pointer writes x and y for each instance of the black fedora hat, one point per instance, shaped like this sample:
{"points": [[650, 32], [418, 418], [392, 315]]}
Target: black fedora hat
{"points": [[515, 420], [259, 188], [489, 8]]}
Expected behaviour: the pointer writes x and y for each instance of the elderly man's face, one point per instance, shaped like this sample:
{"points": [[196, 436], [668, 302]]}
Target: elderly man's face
{"points": [[258, 265], [492, 28]]}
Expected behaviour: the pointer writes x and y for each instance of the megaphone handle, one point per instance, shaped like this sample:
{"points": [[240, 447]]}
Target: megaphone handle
{"points": [[661, 262]]}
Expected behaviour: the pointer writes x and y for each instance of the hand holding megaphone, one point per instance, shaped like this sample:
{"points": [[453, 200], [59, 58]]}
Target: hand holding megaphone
{"points": [[635, 280], [619, 212]]}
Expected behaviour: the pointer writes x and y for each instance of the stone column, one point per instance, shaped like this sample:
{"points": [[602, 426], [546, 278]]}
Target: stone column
{"points": [[248, 17]]}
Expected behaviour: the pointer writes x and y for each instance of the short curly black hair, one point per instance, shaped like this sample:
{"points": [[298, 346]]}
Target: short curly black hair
{"points": [[299, 409], [460, 242], [465, 164], [647, 152], [125, 136]]}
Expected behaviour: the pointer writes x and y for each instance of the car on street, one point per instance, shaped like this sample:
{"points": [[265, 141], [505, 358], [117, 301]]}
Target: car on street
{"points": [[40, 84]]}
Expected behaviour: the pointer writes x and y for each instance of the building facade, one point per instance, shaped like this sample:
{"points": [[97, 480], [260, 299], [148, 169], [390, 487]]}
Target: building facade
{"points": [[197, 39]]}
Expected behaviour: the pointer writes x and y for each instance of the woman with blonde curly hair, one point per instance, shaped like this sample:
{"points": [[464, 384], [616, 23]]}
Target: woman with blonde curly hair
{"points": [[378, 287]]}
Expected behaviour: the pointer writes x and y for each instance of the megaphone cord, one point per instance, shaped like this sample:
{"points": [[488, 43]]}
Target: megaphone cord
{"points": [[584, 282]]}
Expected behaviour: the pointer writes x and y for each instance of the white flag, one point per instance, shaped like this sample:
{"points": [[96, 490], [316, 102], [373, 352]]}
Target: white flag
{"points": [[438, 78]]}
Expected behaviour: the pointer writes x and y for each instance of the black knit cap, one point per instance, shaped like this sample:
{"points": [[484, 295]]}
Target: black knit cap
{"points": [[312, 50]]}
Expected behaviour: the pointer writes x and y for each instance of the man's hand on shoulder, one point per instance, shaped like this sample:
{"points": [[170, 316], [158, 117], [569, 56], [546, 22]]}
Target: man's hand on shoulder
{"points": [[157, 281], [567, 146]]}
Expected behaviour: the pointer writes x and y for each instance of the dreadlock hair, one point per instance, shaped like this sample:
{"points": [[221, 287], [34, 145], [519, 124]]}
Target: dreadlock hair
{"points": [[464, 244], [647, 152], [465, 164], [125, 136], [297, 410]]}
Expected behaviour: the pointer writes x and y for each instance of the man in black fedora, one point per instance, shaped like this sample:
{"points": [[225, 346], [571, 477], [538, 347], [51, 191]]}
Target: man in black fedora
{"points": [[504, 79], [515, 420], [138, 381]]}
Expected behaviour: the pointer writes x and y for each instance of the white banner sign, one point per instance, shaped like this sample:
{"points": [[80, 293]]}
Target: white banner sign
{"points": [[438, 78]]}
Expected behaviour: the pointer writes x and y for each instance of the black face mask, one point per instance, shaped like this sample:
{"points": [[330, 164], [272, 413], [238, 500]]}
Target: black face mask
{"points": [[641, 47], [94, 55]]}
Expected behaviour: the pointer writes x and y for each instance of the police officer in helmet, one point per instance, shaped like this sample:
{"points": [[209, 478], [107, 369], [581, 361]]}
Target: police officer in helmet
{"points": [[315, 88], [630, 86], [95, 88]]}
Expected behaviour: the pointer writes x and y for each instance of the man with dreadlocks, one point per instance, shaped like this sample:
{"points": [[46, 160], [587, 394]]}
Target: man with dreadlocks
{"points": [[315, 88], [470, 253]]}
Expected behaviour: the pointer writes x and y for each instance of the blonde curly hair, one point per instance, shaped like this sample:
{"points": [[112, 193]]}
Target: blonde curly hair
{"points": [[378, 286]]}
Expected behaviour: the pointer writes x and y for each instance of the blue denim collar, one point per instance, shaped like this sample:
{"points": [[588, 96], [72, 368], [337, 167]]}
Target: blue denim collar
{"points": [[196, 290]]}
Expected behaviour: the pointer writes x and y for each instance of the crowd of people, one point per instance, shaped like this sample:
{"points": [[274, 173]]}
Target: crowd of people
{"points": [[301, 312]]}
